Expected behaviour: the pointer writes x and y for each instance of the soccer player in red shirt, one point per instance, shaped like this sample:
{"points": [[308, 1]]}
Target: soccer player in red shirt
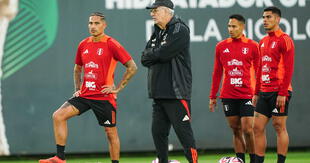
{"points": [[236, 58], [97, 57], [273, 89]]}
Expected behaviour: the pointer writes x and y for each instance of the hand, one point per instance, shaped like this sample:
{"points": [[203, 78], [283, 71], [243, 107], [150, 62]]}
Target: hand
{"points": [[107, 89], [77, 93], [281, 103], [254, 100], [148, 51], [212, 104], [147, 58]]}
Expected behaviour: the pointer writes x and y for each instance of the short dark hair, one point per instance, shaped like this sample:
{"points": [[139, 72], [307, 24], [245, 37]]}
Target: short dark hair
{"points": [[274, 10], [239, 17], [98, 14]]}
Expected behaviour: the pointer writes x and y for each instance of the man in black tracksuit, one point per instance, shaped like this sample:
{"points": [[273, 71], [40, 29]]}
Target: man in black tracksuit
{"points": [[167, 58]]}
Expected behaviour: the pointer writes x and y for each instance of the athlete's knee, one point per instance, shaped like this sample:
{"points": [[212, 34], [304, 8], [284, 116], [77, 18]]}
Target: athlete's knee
{"points": [[236, 129], [279, 126], [65, 112], [110, 130], [248, 130], [111, 133], [258, 129], [59, 116]]}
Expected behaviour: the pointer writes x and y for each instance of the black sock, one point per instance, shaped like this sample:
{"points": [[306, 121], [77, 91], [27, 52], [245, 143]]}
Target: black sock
{"points": [[252, 158], [259, 159], [61, 152], [115, 161], [281, 158], [241, 156]]}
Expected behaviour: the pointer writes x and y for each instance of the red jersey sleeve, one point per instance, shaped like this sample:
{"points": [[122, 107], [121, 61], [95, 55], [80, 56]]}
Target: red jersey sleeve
{"points": [[217, 74], [119, 52], [287, 50], [78, 56]]}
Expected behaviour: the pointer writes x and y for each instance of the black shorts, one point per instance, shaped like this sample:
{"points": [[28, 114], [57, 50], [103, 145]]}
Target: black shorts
{"points": [[266, 104], [103, 109], [238, 107]]}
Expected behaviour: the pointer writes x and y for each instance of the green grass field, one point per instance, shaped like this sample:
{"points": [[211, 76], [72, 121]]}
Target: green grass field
{"points": [[293, 157]]}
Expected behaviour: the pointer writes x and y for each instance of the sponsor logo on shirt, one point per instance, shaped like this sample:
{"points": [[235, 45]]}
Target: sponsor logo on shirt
{"points": [[235, 72], [266, 58], [91, 75], [263, 45], [226, 50], [99, 51], [91, 64], [236, 81], [266, 68], [266, 78], [234, 62], [86, 51], [90, 85], [245, 50]]}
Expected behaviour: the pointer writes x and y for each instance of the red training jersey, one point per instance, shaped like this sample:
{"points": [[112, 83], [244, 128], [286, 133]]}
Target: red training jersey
{"points": [[99, 61], [238, 59], [277, 63]]}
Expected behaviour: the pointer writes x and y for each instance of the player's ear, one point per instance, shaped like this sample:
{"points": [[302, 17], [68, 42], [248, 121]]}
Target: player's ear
{"points": [[278, 18], [104, 24]]}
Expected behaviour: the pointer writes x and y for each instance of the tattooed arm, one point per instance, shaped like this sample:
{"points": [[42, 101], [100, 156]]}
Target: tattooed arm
{"points": [[131, 70], [77, 77]]}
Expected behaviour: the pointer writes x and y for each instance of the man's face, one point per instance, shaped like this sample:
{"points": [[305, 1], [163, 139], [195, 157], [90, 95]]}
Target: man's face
{"points": [[270, 20], [96, 25], [159, 15], [235, 28]]}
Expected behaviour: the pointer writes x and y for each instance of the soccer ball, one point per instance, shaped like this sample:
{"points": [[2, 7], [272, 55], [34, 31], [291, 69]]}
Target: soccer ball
{"points": [[170, 161], [230, 160]]}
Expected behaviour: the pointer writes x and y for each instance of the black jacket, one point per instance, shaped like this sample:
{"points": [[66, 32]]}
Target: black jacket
{"points": [[168, 60]]}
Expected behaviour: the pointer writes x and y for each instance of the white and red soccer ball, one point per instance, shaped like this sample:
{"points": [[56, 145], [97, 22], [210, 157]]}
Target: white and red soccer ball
{"points": [[230, 160], [170, 161]]}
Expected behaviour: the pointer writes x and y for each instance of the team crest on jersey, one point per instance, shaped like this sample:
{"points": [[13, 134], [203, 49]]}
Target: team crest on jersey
{"points": [[245, 50], [99, 51], [273, 45]]}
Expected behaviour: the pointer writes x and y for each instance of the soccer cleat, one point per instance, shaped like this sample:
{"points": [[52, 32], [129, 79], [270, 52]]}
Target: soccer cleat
{"points": [[54, 159], [170, 161]]}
